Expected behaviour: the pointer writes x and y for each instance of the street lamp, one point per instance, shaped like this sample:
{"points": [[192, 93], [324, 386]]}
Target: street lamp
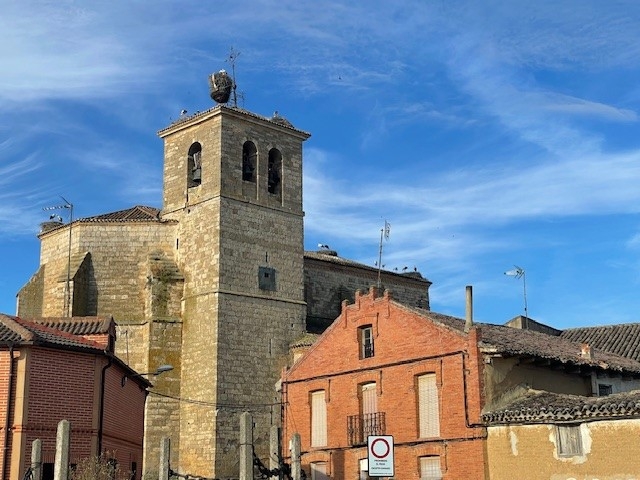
{"points": [[161, 369], [519, 273]]}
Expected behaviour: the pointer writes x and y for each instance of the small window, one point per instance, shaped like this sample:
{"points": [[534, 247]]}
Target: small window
{"points": [[363, 467], [428, 406], [274, 172], [319, 471], [318, 419], [604, 390], [430, 468], [366, 341], [569, 440], [267, 278], [47, 471], [249, 162], [194, 165]]}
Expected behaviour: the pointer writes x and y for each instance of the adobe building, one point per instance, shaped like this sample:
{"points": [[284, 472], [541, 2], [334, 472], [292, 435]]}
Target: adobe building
{"points": [[549, 435], [216, 283], [65, 369]]}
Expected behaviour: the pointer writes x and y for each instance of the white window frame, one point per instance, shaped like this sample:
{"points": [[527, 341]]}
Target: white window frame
{"points": [[366, 338]]}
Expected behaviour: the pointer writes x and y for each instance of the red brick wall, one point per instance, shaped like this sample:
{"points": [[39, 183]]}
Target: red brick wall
{"points": [[406, 345], [64, 384], [59, 385], [123, 428]]}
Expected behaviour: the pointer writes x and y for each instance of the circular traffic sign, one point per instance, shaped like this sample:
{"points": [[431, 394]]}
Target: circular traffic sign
{"points": [[380, 448]]}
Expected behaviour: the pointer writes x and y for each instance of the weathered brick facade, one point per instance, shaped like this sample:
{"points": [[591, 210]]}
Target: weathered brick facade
{"points": [[407, 344]]}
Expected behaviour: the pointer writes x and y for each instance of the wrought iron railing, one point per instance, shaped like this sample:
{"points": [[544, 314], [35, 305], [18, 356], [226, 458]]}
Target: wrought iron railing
{"points": [[359, 427]]}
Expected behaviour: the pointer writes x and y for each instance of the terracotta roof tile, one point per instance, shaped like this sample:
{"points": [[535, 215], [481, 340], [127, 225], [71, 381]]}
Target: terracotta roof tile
{"points": [[14, 330], [139, 213], [510, 341], [77, 325], [621, 339], [545, 407]]}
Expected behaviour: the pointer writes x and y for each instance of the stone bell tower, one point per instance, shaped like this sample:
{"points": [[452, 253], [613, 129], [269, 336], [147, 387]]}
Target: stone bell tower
{"points": [[233, 181]]}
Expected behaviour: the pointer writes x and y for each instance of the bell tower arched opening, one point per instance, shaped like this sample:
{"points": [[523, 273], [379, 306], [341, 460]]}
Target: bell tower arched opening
{"points": [[274, 185], [194, 165]]}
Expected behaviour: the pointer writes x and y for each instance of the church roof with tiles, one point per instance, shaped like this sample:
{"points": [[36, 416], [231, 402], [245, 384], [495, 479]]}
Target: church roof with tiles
{"points": [[139, 213]]}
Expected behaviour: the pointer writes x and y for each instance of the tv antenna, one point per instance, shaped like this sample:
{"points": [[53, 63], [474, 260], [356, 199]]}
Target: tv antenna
{"points": [[519, 273], [384, 235]]}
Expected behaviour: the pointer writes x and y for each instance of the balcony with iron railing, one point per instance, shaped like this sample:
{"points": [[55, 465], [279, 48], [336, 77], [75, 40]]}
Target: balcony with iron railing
{"points": [[359, 427]]}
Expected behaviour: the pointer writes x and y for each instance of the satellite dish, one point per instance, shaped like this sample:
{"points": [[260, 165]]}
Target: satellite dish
{"points": [[220, 86]]}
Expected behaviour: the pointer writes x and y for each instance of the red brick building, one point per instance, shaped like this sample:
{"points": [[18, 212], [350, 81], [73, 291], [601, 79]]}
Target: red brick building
{"points": [[381, 369], [55, 369]]}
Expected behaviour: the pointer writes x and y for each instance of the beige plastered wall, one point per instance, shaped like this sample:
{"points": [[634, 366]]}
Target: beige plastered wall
{"points": [[611, 452]]}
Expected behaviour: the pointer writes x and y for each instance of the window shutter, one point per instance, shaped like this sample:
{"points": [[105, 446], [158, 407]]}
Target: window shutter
{"points": [[569, 440], [318, 419], [428, 406], [369, 399]]}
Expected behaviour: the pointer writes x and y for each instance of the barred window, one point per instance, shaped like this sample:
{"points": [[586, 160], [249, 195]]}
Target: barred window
{"points": [[430, 468]]}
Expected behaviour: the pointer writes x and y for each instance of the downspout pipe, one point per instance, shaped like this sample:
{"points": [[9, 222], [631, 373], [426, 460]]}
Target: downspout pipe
{"points": [[103, 377], [7, 419]]}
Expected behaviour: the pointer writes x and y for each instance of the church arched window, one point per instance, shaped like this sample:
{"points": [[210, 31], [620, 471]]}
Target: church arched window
{"points": [[194, 165], [249, 162], [275, 172]]}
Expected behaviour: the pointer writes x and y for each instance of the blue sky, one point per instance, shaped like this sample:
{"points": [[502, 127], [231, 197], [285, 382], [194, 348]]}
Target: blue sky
{"points": [[489, 134]]}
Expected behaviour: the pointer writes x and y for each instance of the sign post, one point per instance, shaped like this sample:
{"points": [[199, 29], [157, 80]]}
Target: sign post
{"points": [[380, 455]]}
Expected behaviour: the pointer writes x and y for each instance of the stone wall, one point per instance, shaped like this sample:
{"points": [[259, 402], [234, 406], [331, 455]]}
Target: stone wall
{"points": [[235, 334], [329, 279]]}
